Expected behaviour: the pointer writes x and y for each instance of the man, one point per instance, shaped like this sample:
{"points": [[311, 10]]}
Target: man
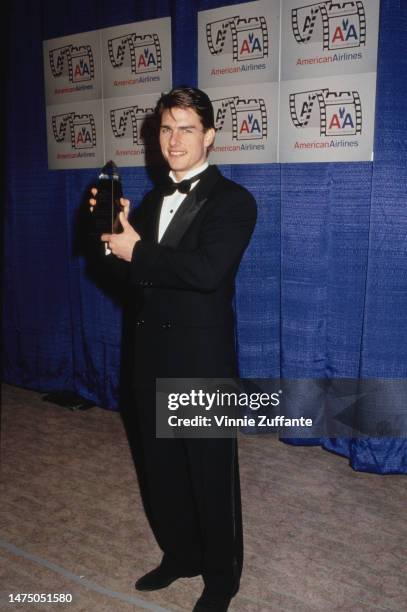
{"points": [[183, 248]]}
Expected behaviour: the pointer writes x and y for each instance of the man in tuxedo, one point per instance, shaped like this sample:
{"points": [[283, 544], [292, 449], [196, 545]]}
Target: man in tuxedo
{"points": [[183, 246]]}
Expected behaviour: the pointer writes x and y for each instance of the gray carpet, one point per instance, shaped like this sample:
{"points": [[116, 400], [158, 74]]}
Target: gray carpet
{"points": [[318, 536]]}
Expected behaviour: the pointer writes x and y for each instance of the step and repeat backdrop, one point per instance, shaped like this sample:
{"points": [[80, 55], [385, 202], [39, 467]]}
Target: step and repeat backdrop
{"points": [[290, 81], [101, 89]]}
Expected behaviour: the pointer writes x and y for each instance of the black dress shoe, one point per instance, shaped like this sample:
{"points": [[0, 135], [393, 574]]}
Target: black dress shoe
{"points": [[212, 603], [158, 578]]}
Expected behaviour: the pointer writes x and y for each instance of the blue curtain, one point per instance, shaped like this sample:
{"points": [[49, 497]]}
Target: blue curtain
{"points": [[322, 291]]}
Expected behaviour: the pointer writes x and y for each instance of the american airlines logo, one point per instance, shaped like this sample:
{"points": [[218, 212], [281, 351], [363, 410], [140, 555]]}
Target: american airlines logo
{"points": [[127, 122], [334, 113], [77, 130], [76, 63], [337, 25], [245, 38], [245, 119], [140, 53]]}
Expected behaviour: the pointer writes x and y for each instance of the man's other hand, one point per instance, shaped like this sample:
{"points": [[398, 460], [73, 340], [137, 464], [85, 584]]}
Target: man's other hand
{"points": [[122, 245]]}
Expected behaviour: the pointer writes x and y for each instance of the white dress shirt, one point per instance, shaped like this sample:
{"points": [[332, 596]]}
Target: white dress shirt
{"points": [[172, 202]]}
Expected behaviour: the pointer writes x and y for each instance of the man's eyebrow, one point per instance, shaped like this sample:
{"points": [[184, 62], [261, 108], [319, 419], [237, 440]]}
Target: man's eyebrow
{"points": [[180, 127]]}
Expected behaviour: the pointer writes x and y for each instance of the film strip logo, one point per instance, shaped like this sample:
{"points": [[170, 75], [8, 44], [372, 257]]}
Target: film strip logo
{"points": [[128, 122], [335, 113], [245, 38], [140, 53], [78, 130], [76, 63], [244, 119], [343, 24]]}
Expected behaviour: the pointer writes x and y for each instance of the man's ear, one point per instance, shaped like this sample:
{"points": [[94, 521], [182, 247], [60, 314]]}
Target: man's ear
{"points": [[209, 137]]}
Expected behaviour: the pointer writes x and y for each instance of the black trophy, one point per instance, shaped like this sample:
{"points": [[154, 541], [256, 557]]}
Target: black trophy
{"points": [[104, 217]]}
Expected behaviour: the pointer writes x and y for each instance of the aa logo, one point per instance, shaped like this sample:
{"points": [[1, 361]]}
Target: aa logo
{"points": [[138, 53], [244, 38], [333, 113], [77, 130], [76, 63], [338, 25], [128, 122], [244, 119]]}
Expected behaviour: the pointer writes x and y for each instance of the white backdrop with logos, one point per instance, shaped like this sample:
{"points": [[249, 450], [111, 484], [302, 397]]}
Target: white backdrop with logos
{"points": [[311, 68], [100, 87]]}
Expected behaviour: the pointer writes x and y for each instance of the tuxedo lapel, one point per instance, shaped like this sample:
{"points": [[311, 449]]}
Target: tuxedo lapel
{"points": [[189, 208], [147, 219]]}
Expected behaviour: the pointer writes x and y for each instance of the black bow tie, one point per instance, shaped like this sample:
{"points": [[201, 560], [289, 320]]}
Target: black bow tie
{"points": [[171, 186], [184, 186]]}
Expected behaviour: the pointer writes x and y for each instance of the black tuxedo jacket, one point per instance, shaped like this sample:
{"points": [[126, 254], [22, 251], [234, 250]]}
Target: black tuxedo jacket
{"points": [[181, 314]]}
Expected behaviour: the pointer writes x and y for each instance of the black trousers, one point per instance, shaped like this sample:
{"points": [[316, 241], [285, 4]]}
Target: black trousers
{"points": [[191, 494]]}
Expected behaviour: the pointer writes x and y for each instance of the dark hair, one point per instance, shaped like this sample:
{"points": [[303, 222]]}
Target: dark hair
{"points": [[188, 97]]}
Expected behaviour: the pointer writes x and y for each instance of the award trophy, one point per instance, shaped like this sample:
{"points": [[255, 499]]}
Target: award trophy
{"points": [[104, 217]]}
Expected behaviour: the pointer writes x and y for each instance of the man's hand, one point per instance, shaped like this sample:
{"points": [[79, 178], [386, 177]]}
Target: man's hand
{"points": [[122, 245]]}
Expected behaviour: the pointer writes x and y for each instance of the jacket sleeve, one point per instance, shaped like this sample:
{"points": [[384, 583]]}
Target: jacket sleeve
{"points": [[224, 235]]}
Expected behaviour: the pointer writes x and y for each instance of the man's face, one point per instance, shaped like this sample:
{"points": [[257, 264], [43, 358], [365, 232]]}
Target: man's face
{"points": [[183, 141]]}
